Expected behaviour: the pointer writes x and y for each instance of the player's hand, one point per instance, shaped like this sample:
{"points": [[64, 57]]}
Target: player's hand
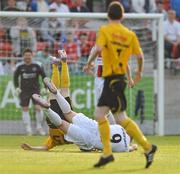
{"points": [[63, 55], [26, 146], [18, 91], [88, 68], [133, 147], [130, 83], [138, 77]]}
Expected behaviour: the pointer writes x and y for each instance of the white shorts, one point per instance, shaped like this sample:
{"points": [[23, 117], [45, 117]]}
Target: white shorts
{"points": [[82, 131]]}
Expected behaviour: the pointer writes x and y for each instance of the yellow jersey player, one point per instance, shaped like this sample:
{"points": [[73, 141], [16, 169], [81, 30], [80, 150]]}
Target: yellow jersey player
{"points": [[116, 43], [99, 82]]}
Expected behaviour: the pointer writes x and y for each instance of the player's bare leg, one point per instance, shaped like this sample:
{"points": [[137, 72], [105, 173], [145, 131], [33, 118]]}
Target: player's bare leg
{"points": [[133, 147]]}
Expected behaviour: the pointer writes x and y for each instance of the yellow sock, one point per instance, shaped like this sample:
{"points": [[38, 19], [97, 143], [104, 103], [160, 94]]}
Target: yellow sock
{"points": [[104, 130], [134, 131], [65, 80], [55, 76]]}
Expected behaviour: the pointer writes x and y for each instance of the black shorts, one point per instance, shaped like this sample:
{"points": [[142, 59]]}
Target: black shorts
{"points": [[25, 97], [55, 107], [113, 94]]}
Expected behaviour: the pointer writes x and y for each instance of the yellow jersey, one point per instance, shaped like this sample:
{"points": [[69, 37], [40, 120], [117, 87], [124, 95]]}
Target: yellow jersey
{"points": [[56, 137], [118, 44]]}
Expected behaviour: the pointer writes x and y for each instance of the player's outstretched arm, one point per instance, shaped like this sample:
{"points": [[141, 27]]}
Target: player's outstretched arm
{"points": [[133, 147], [26, 146]]}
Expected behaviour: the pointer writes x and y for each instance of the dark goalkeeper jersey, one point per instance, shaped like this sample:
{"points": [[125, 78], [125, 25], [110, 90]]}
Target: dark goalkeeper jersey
{"points": [[27, 76]]}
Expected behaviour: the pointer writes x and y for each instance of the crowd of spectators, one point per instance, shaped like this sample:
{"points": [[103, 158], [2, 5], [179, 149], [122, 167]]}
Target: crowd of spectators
{"points": [[77, 40]]}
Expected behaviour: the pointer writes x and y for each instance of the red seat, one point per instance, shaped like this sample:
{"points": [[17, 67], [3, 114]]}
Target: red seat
{"points": [[41, 45], [2, 33], [5, 49]]}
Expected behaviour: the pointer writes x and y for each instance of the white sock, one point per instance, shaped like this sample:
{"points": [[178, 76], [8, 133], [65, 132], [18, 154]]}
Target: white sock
{"points": [[54, 117], [64, 105], [39, 119], [111, 118], [26, 118]]}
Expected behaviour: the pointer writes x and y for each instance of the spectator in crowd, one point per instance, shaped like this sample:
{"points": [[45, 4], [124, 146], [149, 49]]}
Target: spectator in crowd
{"points": [[51, 30], [11, 6], [69, 3], [26, 82], [22, 5], [127, 4], [171, 33], [22, 37], [143, 6], [39, 6], [160, 8], [43, 57], [167, 5], [90, 5], [72, 51], [175, 5], [85, 47], [2, 5], [79, 6], [107, 3], [60, 6]]}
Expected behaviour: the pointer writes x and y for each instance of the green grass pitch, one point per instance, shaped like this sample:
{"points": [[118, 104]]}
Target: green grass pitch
{"points": [[68, 159]]}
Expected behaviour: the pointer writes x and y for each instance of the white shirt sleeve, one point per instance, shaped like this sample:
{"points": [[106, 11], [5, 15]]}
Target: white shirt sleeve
{"points": [[165, 28]]}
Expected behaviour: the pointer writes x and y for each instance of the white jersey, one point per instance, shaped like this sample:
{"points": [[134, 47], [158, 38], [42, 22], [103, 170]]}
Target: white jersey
{"points": [[84, 133]]}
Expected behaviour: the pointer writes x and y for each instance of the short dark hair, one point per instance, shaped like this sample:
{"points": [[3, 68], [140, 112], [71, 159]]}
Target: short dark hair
{"points": [[27, 50], [115, 10]]}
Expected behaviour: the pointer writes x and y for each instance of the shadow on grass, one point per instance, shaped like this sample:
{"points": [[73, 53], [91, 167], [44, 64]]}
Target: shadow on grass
{"points": [[103, 170], [132, 170]]}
